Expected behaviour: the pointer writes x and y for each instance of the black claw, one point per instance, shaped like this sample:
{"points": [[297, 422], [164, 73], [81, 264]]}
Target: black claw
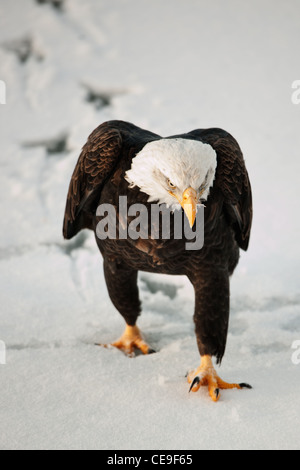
{"points": [[217, 391], [196, 381], [245, 386], [151, 351]]}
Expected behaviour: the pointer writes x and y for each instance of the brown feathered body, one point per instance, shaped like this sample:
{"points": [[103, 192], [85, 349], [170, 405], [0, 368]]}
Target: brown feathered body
{"points": [[99, 179]]}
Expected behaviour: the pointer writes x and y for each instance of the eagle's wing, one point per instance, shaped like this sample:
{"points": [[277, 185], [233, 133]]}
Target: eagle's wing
{"points": [[231, 179], [97, 162]]}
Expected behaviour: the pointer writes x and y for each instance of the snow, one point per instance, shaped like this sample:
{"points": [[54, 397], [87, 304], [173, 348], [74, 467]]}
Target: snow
{"points": [[168, 66]]}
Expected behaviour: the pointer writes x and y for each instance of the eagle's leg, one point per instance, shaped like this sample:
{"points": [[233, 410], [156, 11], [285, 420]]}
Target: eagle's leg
{"points": [[206, 375], [211, 325], [123, 290]]}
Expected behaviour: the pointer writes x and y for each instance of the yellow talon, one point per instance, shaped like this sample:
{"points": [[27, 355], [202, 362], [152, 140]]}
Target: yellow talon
{"points": [[206, 375], [130, 340]]}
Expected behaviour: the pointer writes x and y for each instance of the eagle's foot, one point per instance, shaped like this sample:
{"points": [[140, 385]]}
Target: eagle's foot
{"points": [[131, 340], [206, 375]]}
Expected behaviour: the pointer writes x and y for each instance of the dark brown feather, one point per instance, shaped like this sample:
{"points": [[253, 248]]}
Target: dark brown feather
{"points": [[98, 158]]}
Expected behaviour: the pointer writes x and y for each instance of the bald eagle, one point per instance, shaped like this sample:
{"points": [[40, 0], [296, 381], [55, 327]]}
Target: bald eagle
{"points": [[183, 172]]}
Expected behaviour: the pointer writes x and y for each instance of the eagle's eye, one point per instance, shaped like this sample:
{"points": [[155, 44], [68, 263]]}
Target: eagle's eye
{"points": [[171, 185]]}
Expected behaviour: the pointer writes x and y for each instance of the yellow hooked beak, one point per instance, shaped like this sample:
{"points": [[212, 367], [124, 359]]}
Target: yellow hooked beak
{"points": [[188, 203]]}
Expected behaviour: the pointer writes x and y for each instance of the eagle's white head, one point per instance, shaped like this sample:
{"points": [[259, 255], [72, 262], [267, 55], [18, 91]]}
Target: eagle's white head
{"points": [[176, 172]]}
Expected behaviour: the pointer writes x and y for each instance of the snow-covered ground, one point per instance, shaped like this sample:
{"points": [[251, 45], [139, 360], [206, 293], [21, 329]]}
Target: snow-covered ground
{"points": [[169, 66]]}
